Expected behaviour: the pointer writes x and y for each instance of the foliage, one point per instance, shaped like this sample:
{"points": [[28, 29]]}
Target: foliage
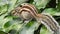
{"points": [[12, 24]]}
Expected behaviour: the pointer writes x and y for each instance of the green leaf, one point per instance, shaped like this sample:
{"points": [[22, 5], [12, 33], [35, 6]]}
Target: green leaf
{"points": [[58, 5], [11, 4], [29, 28], [3, 2], [1, 32], [51, 11], [40, 3], [45, 31], [3, 9], [3, 21]]}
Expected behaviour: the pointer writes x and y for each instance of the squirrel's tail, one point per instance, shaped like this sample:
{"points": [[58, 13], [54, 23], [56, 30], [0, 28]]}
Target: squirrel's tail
{"points": [[50, 23]]}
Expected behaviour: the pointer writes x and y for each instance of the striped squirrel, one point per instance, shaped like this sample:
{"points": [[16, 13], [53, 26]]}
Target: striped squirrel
{"points": [[28, 11]]}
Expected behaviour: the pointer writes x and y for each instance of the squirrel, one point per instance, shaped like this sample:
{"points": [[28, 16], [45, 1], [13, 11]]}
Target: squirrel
{"points": [[28, 11]]}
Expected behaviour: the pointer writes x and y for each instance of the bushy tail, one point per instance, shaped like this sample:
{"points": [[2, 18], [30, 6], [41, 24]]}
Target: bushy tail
{"points": [[50, 23]]}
